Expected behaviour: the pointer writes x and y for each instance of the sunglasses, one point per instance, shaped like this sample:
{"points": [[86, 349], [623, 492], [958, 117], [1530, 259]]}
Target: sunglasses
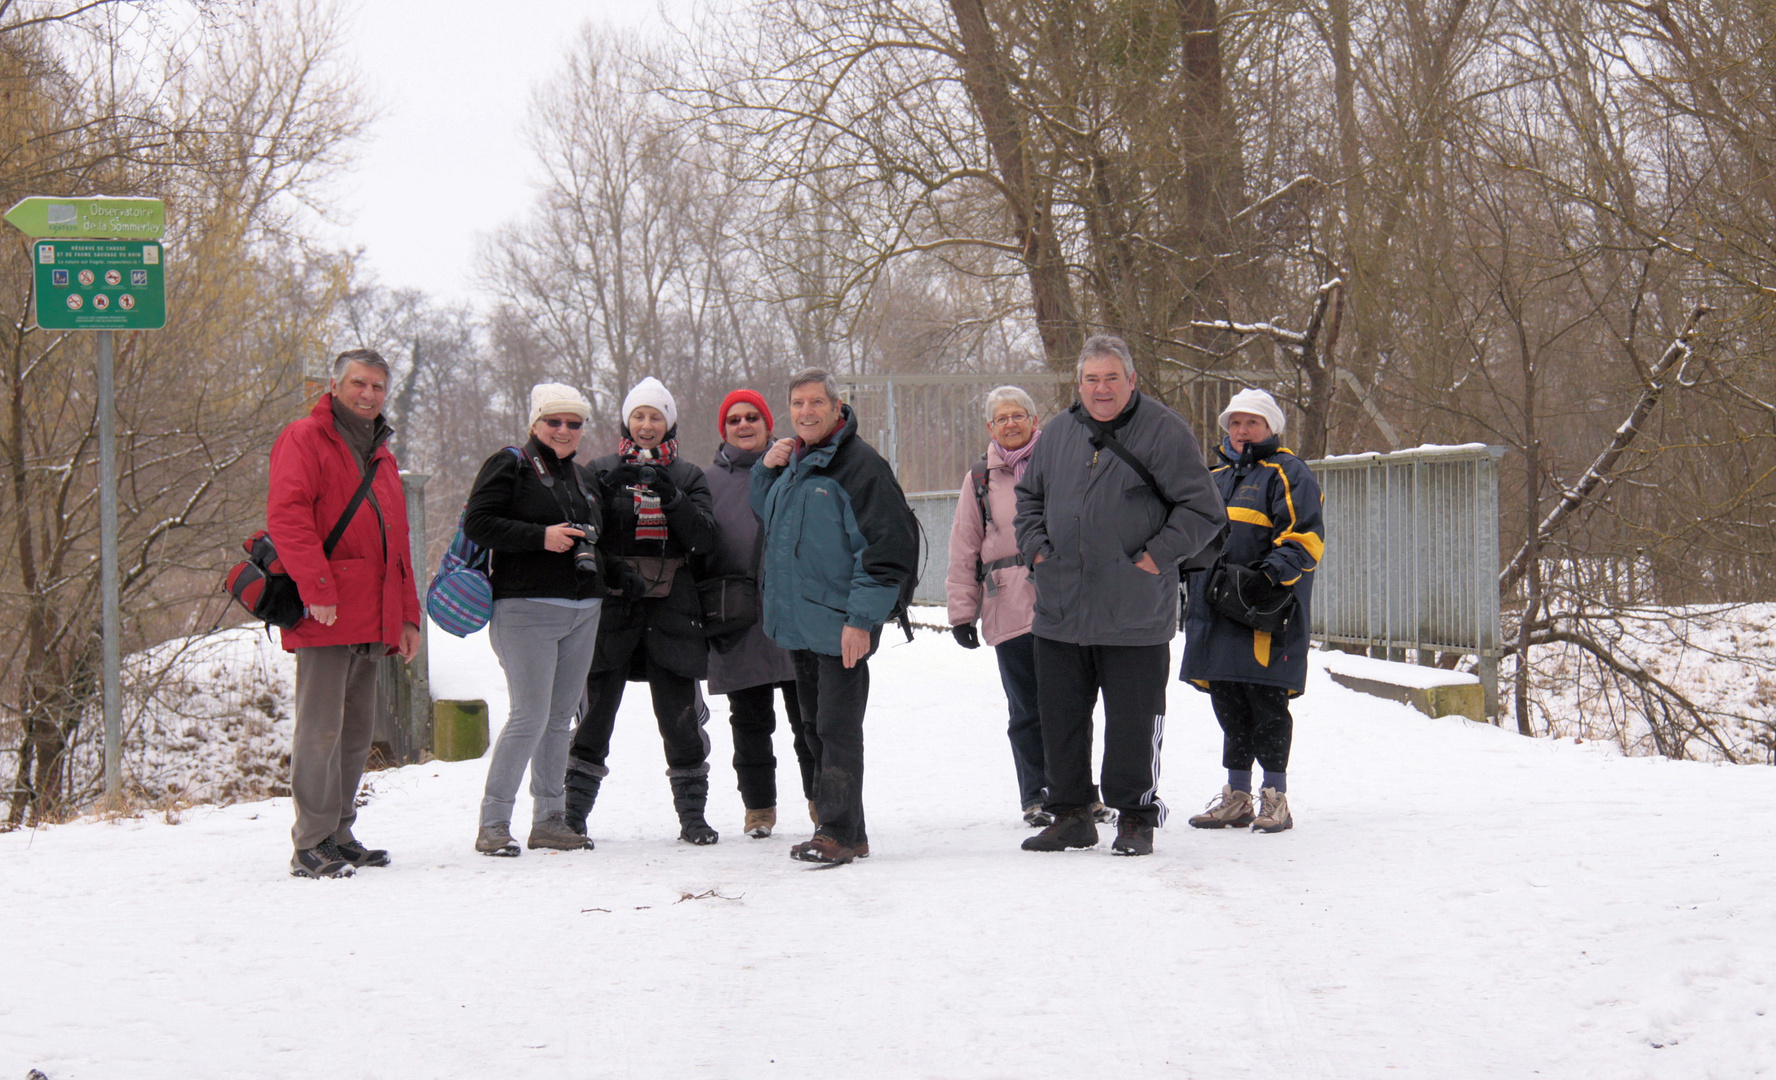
{"points": [[572, 425]]}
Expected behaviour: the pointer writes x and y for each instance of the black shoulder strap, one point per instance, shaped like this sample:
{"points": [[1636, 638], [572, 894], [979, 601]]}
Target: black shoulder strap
{"points": [[977, 474], [1115, 447], [351, 509]]}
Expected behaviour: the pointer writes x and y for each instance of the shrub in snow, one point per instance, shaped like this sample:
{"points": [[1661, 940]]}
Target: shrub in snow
{"points": [[206, 718]]}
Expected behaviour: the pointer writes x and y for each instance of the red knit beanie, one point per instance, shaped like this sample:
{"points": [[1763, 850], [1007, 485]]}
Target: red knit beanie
{"points": [[751, 397]]}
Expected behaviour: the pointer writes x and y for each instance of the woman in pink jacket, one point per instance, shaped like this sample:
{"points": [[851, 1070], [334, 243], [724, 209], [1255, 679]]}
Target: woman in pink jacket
{"points": [[989, 581]]}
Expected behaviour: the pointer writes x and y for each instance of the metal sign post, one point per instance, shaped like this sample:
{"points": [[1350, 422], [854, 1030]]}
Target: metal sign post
{"points": [[99, 266], [113, 624]]}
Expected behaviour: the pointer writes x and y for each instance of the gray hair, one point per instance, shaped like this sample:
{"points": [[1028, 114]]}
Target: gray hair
{"points": [[367, 357], [998, 395], [812, 375], [1101, 345]]}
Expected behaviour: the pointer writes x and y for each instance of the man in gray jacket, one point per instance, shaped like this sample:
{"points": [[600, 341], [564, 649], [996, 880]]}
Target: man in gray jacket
{"points": [[1105, 542]]}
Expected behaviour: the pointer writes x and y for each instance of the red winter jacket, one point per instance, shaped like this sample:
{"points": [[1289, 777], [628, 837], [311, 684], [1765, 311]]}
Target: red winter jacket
{"points": [[313, 476]]}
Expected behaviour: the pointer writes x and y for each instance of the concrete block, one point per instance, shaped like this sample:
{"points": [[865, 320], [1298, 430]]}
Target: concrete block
{"points": [[459, 730], [1461, 699]]}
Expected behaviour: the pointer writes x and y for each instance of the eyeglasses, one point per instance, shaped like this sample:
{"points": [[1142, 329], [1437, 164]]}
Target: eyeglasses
{"points": [[1009, 418], [572, 425]]}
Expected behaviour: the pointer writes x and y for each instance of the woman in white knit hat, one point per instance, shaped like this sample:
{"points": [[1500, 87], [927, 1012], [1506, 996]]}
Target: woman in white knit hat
{"points": [[658, 513], [1274, 527], [537, 512]]}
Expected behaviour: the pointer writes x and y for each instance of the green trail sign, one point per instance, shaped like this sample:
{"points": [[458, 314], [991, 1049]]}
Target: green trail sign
{"points": [[99, 284], [93, 216]]}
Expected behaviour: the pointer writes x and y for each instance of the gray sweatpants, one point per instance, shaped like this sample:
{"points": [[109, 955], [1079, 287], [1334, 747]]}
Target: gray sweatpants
{"points": [[335, 712], [546, 650]]}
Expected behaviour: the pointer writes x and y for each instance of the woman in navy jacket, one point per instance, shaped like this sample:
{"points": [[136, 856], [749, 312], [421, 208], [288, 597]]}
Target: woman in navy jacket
{"points": [[1274, 526]]}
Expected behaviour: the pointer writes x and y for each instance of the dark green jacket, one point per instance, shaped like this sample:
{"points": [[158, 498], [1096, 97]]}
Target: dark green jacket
{"points": [[841, 544]]}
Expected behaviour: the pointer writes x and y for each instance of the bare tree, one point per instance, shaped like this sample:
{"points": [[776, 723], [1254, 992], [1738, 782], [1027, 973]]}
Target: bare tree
{"points": [[241, 124]]}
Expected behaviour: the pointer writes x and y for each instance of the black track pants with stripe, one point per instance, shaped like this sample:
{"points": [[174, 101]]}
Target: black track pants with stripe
{"points": [[1132, 679]]}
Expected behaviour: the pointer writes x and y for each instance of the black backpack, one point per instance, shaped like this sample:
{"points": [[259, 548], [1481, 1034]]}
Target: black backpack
{"points": [[911, 584]]}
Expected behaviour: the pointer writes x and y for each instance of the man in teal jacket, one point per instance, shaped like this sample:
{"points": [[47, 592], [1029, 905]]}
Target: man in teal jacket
{"points": [[841, 554]]}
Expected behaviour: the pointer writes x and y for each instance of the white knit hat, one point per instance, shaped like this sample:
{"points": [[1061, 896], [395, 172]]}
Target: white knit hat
{"points": [[650, 391], [1255, 403], [547, 399]]}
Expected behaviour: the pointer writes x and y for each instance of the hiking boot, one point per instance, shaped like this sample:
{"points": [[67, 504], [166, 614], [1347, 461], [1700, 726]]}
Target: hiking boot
{"points": [[497, 840], [1036, 817], [316, 862], [1133, 837], [555, 833], [822, 849], [355, 853], [1072, 829], [1230, 809], [759, 822], [1273, 812], [1102, 814]]}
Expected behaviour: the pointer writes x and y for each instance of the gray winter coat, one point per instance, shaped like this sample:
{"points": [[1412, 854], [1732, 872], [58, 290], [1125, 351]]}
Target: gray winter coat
{"points": [[1090, 515], [750, 659]]}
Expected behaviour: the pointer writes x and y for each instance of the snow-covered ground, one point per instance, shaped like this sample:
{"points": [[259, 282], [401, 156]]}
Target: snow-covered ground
{"points": [[1455, 901], [1721, 657]]}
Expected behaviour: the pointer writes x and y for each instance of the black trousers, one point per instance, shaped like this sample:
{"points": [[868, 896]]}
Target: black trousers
{"points": [[1255, 723], [678, 709], [754, 722], [1017, 674], [833, 698], [1132, 679]]}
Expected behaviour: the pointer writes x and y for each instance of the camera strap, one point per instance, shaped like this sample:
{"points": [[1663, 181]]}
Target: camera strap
{"points": [[547, 479]]}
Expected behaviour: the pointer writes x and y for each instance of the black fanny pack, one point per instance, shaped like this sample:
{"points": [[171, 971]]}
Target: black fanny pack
{"points": [[1248, 597]]}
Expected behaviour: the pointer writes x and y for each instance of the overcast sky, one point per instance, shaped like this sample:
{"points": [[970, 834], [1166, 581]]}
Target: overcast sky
{"points": [[446, 162]]}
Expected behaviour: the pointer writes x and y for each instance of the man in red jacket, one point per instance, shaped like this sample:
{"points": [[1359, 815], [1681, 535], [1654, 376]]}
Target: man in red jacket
{"points": [[360, 600]]}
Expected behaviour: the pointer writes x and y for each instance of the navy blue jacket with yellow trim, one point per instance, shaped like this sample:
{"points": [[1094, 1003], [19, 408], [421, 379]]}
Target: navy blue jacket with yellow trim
{"points": [[1274, 523]]}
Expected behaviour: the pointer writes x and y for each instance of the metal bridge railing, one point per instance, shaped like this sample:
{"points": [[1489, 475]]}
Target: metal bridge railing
{"points": [[1412, 555]]}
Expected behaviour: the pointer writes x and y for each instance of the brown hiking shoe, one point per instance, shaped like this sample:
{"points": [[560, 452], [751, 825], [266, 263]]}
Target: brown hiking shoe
{"points": [[760, 822], [555, 833], [1230, 809], [496, 840], [822, 849], [1273, 812], [1132, 837], [1073, 829]]}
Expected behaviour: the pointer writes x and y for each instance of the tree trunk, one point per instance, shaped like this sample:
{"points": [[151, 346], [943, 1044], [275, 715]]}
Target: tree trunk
{"points": [[1030, 201]]}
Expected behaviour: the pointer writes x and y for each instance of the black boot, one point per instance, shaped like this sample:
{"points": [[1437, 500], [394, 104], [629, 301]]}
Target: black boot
{"points": [[690, 794], [582, 792]]}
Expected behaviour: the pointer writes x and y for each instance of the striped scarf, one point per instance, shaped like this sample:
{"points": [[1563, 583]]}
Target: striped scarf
{"points": [[650, 520]]}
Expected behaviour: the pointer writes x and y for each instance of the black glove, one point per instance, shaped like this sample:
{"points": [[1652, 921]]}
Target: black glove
{"points": [[1264, 568], [622, 476], [965, 635], [661, 484], [625, 580]]}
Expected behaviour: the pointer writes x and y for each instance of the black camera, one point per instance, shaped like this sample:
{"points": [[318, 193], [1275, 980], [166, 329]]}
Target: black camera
{"points": [[646, 475], [585, 549]]}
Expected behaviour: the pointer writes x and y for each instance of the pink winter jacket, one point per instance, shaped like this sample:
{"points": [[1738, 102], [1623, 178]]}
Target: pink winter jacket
{"points": [[1008, 614]]}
